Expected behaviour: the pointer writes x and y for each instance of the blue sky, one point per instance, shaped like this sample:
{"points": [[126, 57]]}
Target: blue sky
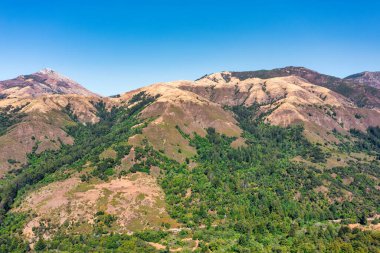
{"points": [[115, 46]]}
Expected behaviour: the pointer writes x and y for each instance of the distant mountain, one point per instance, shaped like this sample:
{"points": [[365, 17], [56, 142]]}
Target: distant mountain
{"points": [[362, 91], [43, 82], [35, 106], [368, 78]]}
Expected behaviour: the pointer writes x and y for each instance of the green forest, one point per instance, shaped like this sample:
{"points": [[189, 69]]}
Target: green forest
{"points": [[254, 198]]}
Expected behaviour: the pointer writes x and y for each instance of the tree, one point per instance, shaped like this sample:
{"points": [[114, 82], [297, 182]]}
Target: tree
{"points": [[40, 245], [363, 219]]}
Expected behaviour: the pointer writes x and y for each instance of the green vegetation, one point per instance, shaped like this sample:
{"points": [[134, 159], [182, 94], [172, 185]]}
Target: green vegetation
{"points": [[267, 202], [90, 243], [10, 116], [250, 199], [367, 142], [10, 231], [114, 128]]}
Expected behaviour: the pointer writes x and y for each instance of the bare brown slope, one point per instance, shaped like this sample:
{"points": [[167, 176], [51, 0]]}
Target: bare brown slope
{"points": [[42, 127], [194, 106], [292, 100], [363, 94], [136, 200], [177, 107]]}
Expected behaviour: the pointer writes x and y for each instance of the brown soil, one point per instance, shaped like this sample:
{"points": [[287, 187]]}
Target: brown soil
{"points": [[136, 200]]}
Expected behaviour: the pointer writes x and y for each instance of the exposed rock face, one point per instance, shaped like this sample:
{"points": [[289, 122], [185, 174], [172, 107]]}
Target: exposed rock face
{"points": [[41, 83], [369, 78]]}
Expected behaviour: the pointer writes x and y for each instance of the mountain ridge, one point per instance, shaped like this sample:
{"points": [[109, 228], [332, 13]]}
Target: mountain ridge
{"points": [[367, 77], [191, 105], [361, 93]]}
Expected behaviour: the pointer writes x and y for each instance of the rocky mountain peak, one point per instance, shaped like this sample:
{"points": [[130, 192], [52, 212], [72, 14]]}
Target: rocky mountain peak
{"points": [[43, 82], [46, 71]]}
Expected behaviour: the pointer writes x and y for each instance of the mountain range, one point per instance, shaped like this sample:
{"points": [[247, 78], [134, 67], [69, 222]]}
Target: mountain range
{"points": [[271, 157]]}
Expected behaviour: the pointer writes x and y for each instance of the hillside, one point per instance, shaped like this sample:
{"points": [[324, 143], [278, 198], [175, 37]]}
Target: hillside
{"points": [[194, 106], [41, 83], [362, 93], [261, 161], [38, 124], [33, 113], [368, 78], [289, 100]]}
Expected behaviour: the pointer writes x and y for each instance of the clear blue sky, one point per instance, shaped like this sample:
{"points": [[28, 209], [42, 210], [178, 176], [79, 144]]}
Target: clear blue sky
{"points": [[115, 46]]}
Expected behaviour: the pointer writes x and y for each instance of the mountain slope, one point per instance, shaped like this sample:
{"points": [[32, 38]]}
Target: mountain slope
{"points": [[175, 108], [35, 110], [222, 164], [368, 78], [41, 83], [192, 106], [41, 125], [362, 93], [287, 100]]}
